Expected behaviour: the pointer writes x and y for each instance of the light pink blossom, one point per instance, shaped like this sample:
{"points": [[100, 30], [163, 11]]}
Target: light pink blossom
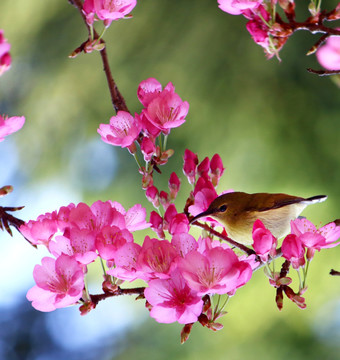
{"points": [[216, 271], [59, 283], [148, 90], [173, 300], [126, 262], [328, 55], [122, 131], [236, 7], [9, 125]]}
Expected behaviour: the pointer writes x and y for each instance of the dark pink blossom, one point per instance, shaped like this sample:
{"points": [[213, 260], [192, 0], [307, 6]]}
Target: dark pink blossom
{"points": [[5, 57], [166, 110], [148, 148], [293, 250], [122, 131], [179, 224], [216, 168], [148, 90], [59, 283], [190, 165], [157, 224], [9, 125], [264, 242], [174, 185], [173, 300], [110, 239], [216, 271], [156, 259]]}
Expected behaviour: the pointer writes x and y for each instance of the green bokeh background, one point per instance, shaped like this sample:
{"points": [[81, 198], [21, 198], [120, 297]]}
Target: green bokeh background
{"points": [[275, 126]]}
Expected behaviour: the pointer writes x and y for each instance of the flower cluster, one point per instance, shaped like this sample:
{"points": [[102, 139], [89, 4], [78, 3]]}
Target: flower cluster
{"points": [[298, 249], [269, 30], [5, 57], [76, 235]]}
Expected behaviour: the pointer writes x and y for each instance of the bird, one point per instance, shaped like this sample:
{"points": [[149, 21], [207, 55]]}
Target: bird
{"points": [[237, 212]]}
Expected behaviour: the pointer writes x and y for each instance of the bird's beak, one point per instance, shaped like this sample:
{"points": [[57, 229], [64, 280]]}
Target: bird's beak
{"points": [[202, 214]]}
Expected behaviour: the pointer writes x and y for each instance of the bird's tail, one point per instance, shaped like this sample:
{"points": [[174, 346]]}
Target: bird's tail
{"points": [[315, 199]]}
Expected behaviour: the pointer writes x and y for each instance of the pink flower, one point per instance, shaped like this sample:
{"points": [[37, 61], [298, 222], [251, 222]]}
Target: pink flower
{"points": [[204, 194], [59, 282], [156, 259], [148, 90], [190, 165], [79, 243], [184, 243], [107, 10], [122, 131], [179, 224], [166, 110], [216, 271], [134, 217], [9, 125], [39, 232], [235, 7], [5, 57], [293, 250], [157, 224], [174, 185], [148, 148], [110, 240], [173, 300], [328, 55], [126, 262], [313, 238], [264, 242], [216, 168]]}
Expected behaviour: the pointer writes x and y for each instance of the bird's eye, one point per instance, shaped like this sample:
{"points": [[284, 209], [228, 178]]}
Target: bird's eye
{"points": [[223, 208]]}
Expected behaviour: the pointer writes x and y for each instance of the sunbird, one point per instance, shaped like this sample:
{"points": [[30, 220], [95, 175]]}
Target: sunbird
{"points": [[237, 212]]}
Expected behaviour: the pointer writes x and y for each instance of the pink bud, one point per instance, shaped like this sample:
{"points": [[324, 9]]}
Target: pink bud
{"points": [[217, 169], [264, 242], [157, 224], [174, 185], [190, 164], [203, 167], [148, 148], [152, 195], [293, 250]]}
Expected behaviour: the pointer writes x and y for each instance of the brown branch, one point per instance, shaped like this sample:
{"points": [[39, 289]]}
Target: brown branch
{"points": [[131, 291], [324, 72], [117, 99]]}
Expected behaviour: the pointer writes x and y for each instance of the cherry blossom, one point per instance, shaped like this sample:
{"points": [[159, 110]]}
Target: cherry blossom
{"points": [[122, 131], [107, 10], [216, 271], [59, 283], [236, 7], [173, 300], [328, 55], [293, 250], [264, 242]]}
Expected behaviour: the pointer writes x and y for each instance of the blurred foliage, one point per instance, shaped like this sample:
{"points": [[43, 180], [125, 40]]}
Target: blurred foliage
{"points": [[275, 126]]}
